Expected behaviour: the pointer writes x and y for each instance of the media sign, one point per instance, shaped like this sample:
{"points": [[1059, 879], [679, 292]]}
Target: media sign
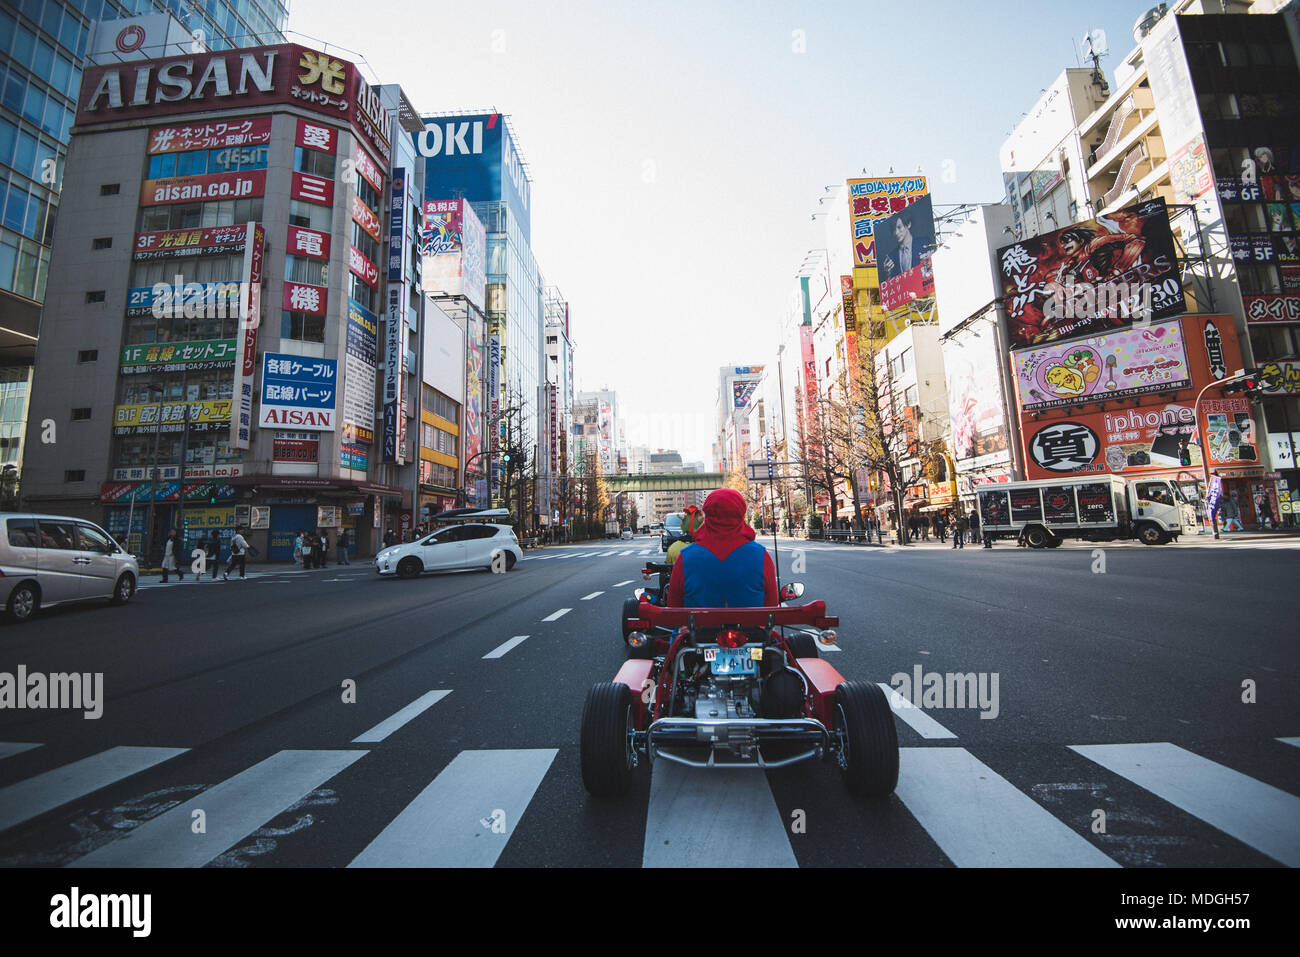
{"points": [[475, 157]]}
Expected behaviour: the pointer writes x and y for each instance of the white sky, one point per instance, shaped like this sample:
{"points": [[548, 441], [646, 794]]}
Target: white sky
{"points": [[678, 149]]}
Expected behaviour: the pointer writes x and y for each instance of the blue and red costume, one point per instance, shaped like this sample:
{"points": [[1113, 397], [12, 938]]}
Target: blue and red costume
{"points": [[725, 567]]}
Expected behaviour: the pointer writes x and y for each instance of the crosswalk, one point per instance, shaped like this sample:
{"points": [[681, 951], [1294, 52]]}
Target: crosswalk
{"points": [[470, 810]]}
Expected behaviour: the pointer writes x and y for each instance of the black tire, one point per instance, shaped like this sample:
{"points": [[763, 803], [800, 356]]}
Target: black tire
{"points": [[1054, 541], [409, 567], [510, 560], [1151, 534], [802, 646], [24, 602], [631, 612], [606, 749], [869, 746], [123, 589], [1036, 536]]}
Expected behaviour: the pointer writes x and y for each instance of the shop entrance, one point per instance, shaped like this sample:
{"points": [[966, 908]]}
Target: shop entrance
{"points": [[285, 522]]}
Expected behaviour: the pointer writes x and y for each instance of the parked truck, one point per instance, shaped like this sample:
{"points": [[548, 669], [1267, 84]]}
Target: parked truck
{"points": [[612, 528], [1098, 509]]}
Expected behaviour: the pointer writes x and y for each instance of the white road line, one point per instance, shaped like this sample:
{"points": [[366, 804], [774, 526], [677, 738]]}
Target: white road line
{"points": [[1255, 813], [500, 650], [595, 594], [9, 748], [558, 614], [715, 818], [916, 718], [386, 727], [1294, 742], [451, 822], [621, 584], [979, 819], [27, 799], [232, 810], [647, 552], [624, 553]]}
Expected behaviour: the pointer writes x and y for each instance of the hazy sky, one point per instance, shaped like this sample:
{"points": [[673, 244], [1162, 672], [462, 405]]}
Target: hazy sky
{"points": [[678, 149]]}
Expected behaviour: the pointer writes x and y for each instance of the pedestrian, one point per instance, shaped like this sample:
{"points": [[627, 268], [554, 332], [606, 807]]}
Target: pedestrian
{"points": [[940, 528], [927, 525], [1265, 512], [172, 551], [324, 548], [298, 543], [389, 538], [238, 555], [214, 551], [914, 526], [959, 532], [342, 545], [974, 523]]}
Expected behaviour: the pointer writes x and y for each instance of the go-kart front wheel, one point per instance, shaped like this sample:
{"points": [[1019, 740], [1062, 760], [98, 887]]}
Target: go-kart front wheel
{"points": [[868, 745], [608, 758]]}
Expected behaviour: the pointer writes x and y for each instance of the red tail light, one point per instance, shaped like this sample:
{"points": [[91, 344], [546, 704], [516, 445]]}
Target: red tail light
{"points": [[731, 639]]}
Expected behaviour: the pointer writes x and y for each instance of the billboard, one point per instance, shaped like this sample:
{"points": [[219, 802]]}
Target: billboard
{"points": [[395, 338], [232, 79], [741, 390], [397, 226], [198, 189], [1092, 276], [453, 249], [359, 359], [1114, 365], [1230, 431], [241, 422], [475, 157], [147, 416], [472, 424], [298, 392], [179, 356], [904, 244], [871, 200], [175, 243], [975, 406], [212, 135]]}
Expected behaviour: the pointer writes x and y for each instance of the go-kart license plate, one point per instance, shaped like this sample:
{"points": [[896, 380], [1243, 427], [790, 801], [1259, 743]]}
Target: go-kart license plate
{"points": [[729, 662]]}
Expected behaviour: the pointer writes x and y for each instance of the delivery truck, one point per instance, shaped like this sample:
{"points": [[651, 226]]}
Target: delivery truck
{"points": [[1097, 509]]}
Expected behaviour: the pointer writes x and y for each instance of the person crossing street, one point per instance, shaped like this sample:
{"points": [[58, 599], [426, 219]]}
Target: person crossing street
{"points": [[238, 555]]}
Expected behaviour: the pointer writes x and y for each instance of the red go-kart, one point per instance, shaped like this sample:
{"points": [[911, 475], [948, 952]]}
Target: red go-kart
{"points": [[729, 691]]}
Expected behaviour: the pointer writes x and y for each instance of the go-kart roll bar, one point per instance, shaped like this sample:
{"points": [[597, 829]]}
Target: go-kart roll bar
{"points": [[813, 614]]}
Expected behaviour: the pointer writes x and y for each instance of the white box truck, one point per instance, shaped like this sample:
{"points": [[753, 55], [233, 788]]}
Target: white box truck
{"points": [[1098, 508]]}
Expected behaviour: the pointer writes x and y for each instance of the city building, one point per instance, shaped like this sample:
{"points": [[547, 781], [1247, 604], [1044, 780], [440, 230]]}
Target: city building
{"points": [[43, 44], [229, 229], [475, 157], [609, 427], [555, 464]]}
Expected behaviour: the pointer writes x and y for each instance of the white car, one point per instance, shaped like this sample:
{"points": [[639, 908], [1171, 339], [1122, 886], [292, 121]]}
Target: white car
{"points": [[627, 534], [453, 548]]}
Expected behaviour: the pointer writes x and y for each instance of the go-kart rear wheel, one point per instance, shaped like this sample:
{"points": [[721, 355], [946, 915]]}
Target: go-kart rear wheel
{"points": [[868, 753], [802, 646], [608, 759]]}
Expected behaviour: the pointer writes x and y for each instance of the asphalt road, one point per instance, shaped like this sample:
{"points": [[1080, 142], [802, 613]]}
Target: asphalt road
{"points": [[330, 718]]}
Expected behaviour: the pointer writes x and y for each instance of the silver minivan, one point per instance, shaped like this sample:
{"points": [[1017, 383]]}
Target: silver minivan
{"points": [[54, 559]]}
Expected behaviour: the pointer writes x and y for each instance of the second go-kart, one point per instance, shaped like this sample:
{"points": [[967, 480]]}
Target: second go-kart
{"points": [[731, 690]]}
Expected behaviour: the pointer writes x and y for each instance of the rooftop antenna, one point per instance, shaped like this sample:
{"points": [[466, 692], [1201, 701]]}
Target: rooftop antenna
{"points": [[1094, 47]]}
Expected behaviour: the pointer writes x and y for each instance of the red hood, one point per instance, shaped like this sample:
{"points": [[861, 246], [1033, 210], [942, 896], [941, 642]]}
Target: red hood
{"points": [[725, 528]]}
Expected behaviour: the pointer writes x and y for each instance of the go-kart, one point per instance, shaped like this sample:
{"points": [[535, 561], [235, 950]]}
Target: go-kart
{"points": [[728, 691]]}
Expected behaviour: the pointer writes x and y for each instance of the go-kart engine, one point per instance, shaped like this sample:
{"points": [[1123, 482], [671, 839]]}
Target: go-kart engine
{"points": [[713, 701]]}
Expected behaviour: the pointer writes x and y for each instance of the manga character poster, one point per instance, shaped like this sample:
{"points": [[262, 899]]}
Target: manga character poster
{"points": [[1092, 276]]}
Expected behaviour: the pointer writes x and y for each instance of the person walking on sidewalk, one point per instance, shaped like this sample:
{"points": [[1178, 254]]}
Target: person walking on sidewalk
{"points": [[342, 545], [974, 527], [238, 555], [959, 531], [213, 548], [171, 553], [299, 544], [939, 527]]}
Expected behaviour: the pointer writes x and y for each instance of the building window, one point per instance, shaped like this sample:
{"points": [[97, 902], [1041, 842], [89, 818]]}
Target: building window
{"points": [[88, 355], [302, 269], [81, 414], [437, 403], [110, 189], [362, 294], [74, 475], [313, 162], [309, 215], [95, 295], [102, 242], [300, 326]]}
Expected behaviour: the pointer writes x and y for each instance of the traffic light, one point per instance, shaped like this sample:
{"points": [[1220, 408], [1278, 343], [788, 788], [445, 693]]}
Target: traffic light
{"points": [[521, 458], [505, 456], [1251, 384]]}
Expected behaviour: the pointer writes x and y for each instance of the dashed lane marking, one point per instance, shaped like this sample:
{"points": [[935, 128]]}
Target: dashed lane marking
{"points": [[386, 727], [595, 594], [500, 650], [9, 748], [558, 614]]}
